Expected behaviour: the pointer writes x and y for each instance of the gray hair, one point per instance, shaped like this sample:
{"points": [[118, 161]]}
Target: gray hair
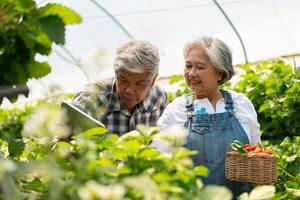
{"points": [[137, 56], [218, 53]]}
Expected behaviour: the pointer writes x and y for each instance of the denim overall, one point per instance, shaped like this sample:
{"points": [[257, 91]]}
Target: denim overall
{"points": [[211, 135]]}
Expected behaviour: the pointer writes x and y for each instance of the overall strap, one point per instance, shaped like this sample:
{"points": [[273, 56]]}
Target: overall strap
{"points": [[189, 105], [228, 102]]}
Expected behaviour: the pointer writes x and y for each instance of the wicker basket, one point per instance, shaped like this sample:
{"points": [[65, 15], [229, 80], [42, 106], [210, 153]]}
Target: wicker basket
{"points": [[253, 168]]}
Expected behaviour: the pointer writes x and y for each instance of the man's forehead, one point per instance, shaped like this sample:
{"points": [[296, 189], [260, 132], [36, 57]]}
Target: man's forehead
{"points": [[143, 76]]}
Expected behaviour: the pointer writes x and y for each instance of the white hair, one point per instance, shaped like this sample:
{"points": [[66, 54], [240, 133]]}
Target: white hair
{"points": [[137, 56], [218, 53]]}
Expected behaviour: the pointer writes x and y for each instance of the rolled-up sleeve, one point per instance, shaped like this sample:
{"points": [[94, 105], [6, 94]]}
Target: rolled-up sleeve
{"points": [[247, 117], [88, 100]]}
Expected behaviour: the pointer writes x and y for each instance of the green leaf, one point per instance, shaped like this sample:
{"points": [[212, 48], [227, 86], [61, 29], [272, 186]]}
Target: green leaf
{"points": [[119, 154], [104, 162], [16, 147], [176, 78], [294, 192], [35, 185], [201, 171], [162, 177], [28, 38], [184, 176], [216, 193], [271, 92], [265, 192], [24, 5], [66, 14], [96, 131], [16, 74], [38, 69], [124, 170], [54, 27], [244, 196], [146, 130], [148, 153], [144, 186], [44, 44], [170, 188], [131, 146], [297, 73], [182, 153], [109, 141]]}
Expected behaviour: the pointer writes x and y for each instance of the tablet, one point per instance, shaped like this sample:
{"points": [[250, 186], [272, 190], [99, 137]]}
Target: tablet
{"points": [[78, 120]]}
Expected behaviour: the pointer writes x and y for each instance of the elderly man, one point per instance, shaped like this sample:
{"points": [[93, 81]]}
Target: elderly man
{"points": [[131, 98]]}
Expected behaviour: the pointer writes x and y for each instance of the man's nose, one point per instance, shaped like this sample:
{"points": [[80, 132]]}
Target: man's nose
{"points": [[130, 89]]}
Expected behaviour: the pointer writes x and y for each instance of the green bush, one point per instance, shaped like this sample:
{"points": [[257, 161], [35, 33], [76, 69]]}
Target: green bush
{"points": [[274, 89], [288, 168], [11, 126], [99, 166], [95, 165]]}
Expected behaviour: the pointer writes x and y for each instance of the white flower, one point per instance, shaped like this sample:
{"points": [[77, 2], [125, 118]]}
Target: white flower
{"points": [[6, 166], [144, 185], [45, 121], [94, 190], [175, 136]]}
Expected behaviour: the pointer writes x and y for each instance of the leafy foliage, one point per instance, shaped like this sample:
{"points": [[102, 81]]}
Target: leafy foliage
{"points": [[99, 166], [182, 88], [274, 89], [11, 126], [25, 31], [288, 164]]}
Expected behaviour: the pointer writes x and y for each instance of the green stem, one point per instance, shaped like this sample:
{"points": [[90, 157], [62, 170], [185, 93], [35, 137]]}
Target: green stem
{"points": [[287, 173]]}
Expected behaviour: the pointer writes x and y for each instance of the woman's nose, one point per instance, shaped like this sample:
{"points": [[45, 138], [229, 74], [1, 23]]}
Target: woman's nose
{"points": [[192, 72]]}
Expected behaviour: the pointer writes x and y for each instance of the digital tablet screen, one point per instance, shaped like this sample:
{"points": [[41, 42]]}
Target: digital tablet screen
{"points": [[78, 120]]}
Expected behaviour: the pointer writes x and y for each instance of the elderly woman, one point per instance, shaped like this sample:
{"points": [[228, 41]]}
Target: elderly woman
{"points": [[213, 117], [131, 98]]}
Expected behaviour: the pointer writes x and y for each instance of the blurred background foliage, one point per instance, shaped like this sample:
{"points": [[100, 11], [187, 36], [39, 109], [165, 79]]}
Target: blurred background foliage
{"points": [[27, 31]]}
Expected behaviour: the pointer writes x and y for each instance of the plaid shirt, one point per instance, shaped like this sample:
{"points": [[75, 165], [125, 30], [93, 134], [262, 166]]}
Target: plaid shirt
{"points": [[101, 102]]}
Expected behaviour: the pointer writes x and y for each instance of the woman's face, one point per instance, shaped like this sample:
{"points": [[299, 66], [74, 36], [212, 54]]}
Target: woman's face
{"points": [[200, 74]]}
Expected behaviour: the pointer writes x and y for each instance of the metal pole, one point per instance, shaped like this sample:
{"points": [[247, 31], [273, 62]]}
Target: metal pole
{"points": [[113, 18], [233, 27]]}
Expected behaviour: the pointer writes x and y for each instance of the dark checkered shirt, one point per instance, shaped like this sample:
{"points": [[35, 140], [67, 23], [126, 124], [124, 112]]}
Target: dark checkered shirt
{"points": [[101, 102]]}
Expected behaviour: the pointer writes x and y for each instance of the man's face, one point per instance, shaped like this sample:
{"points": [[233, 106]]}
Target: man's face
{"points": [[133, 87]]}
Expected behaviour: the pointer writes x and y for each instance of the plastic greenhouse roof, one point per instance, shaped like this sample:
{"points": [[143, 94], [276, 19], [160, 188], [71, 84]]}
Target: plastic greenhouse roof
{"points": [[268, 28]]}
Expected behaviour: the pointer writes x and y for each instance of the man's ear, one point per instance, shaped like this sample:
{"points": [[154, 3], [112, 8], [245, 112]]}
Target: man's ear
{"points": [[153, 81]]}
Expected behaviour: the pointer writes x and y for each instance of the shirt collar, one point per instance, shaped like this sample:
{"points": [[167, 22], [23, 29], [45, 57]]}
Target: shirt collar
{"points": [[190, 99], [148, 104]]}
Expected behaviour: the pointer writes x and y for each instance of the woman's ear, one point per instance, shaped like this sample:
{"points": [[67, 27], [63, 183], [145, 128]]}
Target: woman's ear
{"points": [[220, 76]]}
